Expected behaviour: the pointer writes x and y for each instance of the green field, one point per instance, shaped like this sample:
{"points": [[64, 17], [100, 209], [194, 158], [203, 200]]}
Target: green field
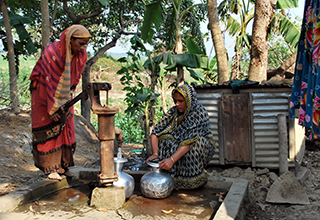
{"points": [[25, 69], [131, 128]]}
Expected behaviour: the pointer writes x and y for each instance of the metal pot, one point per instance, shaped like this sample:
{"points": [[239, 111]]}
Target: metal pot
{"points": [[156, 184], [124, 180]]}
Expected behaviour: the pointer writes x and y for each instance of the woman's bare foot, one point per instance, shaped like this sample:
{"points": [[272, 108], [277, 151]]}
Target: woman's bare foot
{"points": [[54, 176], [69, 174]]}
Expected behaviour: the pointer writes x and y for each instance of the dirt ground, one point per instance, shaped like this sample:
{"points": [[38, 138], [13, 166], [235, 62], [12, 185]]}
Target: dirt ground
{"points": [[17, 169]]}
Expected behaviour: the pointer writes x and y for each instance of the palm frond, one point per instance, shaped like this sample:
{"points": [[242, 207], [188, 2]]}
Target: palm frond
{"points": [[232, 25]]}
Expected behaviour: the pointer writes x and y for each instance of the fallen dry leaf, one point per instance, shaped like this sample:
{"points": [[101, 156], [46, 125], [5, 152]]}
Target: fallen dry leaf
{"points": [[39, 203], [31, 209], [182, 194], [102, 209], [167, 212]]}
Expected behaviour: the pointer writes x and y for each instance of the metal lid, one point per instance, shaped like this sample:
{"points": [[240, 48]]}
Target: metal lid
{"points": [[120, 160], [154, 163]]}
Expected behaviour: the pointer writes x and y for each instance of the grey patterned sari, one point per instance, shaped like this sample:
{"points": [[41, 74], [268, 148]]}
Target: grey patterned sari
{"points": [[190, 128]]}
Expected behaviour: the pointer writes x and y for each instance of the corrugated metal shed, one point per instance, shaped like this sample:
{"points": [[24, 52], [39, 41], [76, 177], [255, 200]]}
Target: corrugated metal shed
{"points": [[245, 125], [211, 102]]}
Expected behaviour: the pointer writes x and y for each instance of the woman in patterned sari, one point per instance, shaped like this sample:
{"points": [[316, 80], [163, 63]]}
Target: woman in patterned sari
{"points": [[183, 141], [305, 95], [54, 77]]}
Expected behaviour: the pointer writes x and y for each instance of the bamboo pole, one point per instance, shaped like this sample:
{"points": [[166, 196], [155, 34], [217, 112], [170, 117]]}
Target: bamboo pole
{"points": [[283, 143]]}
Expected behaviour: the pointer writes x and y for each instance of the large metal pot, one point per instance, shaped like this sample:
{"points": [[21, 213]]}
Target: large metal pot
{"points": [[156, 184], [124, 180]]}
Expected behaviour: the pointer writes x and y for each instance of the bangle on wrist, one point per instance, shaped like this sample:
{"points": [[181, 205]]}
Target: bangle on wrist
{"points": [[155, 154], [172, 159]]}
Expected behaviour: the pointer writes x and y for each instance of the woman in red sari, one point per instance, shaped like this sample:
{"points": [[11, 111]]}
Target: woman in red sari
{"points": [[54, 77]]}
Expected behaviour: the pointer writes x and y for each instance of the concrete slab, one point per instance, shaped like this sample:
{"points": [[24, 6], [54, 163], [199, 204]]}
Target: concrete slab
{"points": [[227, 210], [110, 198], [28, 193]]}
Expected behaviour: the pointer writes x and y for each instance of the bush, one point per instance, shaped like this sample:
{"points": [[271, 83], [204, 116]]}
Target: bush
{"points": [[132, 131]]}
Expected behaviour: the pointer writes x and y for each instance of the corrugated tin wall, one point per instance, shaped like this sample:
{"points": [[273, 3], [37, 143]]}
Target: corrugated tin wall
{"points": [[266, 107], [211, 102], [265, 138]]}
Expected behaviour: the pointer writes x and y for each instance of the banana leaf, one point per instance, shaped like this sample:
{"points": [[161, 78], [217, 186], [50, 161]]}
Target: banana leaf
{"points": [[18, 22], [16, 19], [104, 2], [288, 30], [188, 60], [152, 15], [193, 47], [286, 4]]}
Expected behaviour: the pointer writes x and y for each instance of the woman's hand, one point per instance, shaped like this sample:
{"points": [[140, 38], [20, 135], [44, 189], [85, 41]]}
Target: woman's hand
{"points": [[152, 157], [166, 164], [69, 114], [56, 116]]}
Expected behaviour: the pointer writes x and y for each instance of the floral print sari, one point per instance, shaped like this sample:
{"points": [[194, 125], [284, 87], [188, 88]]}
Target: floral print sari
{"points": [[306, 86]]}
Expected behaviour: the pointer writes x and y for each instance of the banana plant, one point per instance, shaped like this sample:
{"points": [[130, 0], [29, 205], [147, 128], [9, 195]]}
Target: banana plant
{"points": [[24, 44], [174, 57], [287, 28], [139, 98], [236, 16]]}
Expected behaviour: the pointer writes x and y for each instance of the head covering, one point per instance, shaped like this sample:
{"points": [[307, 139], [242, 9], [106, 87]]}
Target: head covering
{"points": [[62, 93], [189, 94], [184, 127]]}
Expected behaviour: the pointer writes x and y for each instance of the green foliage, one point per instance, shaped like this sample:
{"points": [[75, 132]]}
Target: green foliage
{"points": [[130, 125], [104, 2], [163, 20], [285, 4], [244, 62], [138, 96], [152, 15], [237, 27], [279, 51], [23, 46], [211, 75], [288, 29], [193, 47], [22, 82]]}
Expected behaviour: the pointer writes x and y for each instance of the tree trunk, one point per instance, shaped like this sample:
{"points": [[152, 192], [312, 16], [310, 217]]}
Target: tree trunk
{"points": [[11, 57], [259, 46], [150, 122], [163, 95], [288, 63], [218, 42], [45, 24], [235, 71], [285, 66], [86, 103], [178, 50], [180, 73]]}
